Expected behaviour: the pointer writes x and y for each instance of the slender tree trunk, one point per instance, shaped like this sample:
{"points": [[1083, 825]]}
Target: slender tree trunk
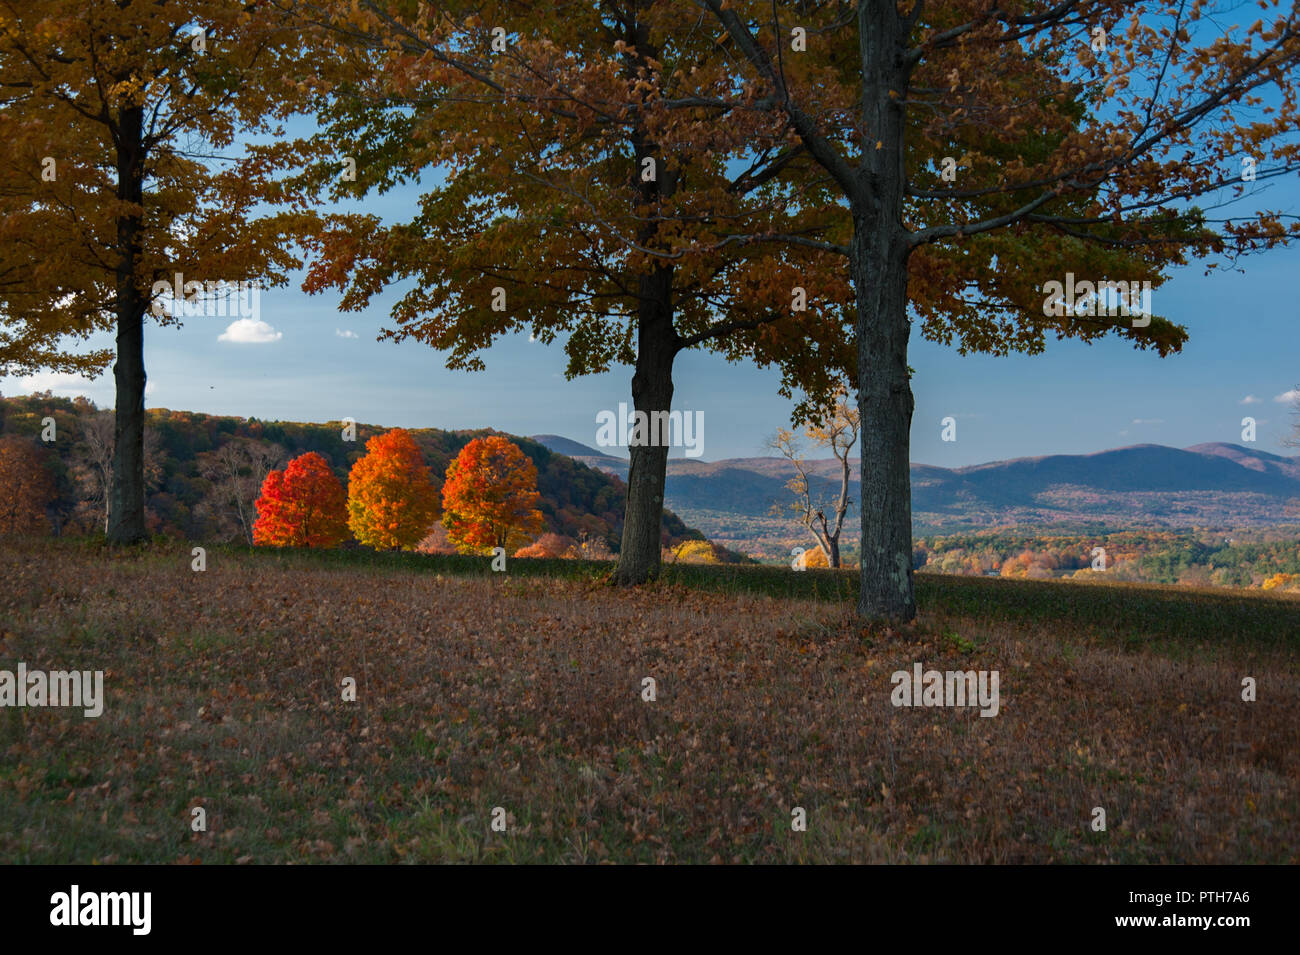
{"points": [[126, 491], [639, 557], [244, 524], [878, 258], [841, 506]]}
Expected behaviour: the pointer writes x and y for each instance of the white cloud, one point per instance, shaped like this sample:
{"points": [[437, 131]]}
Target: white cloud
{"points": [[59, 383], [345, 333], [1288, 397], [1249, 400], [247, 331], [1148, 420]]}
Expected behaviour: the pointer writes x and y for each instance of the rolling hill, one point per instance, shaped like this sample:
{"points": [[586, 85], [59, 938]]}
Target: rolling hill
{"points": [[1145, 485]]}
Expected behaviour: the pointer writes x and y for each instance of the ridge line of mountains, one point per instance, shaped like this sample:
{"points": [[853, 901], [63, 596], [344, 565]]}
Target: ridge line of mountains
{"points": [[1151, 485]]}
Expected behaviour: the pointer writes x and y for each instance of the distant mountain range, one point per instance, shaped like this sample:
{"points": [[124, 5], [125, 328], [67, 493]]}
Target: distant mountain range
{"points": [[1144, 485]]}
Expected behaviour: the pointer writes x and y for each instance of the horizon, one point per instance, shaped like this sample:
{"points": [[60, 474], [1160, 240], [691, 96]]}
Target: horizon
{"points": [[676, 453]]}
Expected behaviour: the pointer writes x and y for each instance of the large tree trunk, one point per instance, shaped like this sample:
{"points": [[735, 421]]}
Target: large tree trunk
{"points": [[885, 403], [126, 491], [652, 390], [878, 259], [639, 555]]}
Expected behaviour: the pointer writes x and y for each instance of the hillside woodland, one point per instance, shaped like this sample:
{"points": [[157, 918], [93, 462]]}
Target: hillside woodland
{"points": [[204, 474]]}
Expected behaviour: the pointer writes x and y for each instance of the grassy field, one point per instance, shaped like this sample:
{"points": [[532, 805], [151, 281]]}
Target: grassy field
{"points": [[523, 691]]}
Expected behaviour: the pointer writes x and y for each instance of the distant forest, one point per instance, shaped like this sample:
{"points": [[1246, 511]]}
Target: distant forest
{"points": [[1246, 557]]}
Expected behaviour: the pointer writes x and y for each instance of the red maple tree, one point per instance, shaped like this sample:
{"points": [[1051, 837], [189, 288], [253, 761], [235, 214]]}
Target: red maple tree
{"points": [[302, 506]]}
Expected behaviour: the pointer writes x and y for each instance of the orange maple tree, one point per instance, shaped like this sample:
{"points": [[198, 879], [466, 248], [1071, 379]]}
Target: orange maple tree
{"points": [[26, 487], [490, 497], [392, 499], [302, 506]]}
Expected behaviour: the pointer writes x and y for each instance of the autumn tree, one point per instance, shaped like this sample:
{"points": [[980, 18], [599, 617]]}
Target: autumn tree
{"points": [[1284, 582], [694, 552], [490, 495], [113, 117], [989, 153], [392, 500], [606, 176], [236, 471], [822, 514], [577, 184], [813, 559], [26, 486], [302, 506]]}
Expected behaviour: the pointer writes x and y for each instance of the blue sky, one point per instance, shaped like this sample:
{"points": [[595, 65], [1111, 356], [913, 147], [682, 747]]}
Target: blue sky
{"points": [[321, 364]]}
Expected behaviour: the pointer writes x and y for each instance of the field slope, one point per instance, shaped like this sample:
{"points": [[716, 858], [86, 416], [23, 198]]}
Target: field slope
{"points": [[524, 692]]}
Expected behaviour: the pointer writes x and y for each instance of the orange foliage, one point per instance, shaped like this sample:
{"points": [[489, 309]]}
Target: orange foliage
{"points": [[490, 497], [1031, 564], [813, 557], [549, 545], [1282, 582], [436, 542], [392, 500], [302, 506]]}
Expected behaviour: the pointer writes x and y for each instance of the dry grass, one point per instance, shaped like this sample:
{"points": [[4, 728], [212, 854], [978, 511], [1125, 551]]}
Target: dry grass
{"points": [[223, 691]]}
